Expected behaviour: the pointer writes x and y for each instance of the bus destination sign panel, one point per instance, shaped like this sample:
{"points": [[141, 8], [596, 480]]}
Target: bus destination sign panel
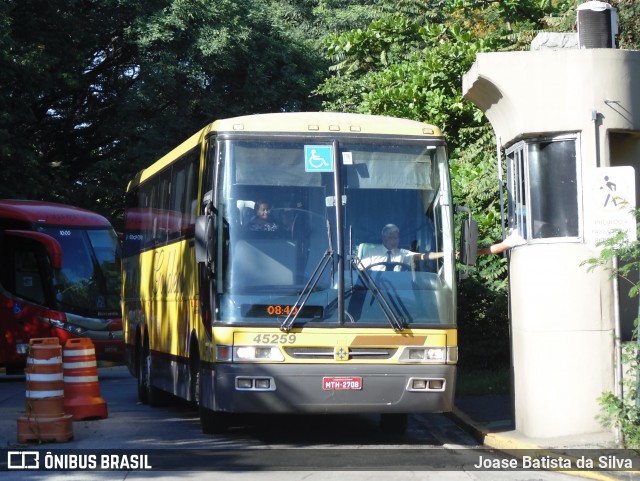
{"points": [[279, 310]]}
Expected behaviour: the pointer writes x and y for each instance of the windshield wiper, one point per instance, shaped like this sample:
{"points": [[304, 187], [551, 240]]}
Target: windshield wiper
{"points": [[396, 322], [290, 320], [326, 259]]}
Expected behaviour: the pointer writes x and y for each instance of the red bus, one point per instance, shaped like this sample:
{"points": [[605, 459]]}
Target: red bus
{"points": [[59, 277]]}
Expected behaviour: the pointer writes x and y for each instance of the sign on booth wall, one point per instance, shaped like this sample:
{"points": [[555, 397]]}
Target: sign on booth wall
{"points": [[610, 199]]}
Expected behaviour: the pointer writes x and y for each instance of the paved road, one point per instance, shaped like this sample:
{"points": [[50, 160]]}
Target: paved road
{"points": [[259, 448]]}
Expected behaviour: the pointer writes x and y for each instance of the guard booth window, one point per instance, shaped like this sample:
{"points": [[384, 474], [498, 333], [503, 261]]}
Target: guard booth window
{"points": [[542, 176]]}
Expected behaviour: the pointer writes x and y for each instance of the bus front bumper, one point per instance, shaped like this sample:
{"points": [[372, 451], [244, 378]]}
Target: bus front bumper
{"points": [[322, 388]]}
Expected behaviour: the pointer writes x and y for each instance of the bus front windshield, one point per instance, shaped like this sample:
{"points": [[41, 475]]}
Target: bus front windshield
{"points": [[89, 282], [281, 258]]}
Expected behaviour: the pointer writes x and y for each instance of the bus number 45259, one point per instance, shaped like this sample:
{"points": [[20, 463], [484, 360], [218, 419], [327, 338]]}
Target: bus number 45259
{"points": [[275, 339]]}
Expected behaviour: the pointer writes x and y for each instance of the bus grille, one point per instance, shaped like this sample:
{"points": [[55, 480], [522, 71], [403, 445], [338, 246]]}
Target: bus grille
{"points": [[328, 352]]}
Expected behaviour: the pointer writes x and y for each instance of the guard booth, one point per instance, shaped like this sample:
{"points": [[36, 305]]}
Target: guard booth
{"points": [[568, 122]]}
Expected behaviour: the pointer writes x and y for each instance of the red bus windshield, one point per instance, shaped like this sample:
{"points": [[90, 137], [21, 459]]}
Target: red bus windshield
{"points": [[89, 282]]}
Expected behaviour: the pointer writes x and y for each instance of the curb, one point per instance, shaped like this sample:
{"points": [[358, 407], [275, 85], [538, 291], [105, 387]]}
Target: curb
{"points": [[508, 444]]}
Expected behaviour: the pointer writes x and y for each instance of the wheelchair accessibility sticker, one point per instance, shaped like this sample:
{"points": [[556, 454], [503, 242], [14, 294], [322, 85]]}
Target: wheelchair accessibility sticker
{"points": [[318, 158]]}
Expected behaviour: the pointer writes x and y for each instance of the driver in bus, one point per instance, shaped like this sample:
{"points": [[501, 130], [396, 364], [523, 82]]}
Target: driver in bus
{"points": [[389, 256]]}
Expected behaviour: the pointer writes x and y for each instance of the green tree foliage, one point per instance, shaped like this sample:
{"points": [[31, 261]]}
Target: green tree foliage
{"points": [[401, 67], [331, 16], [628, 24], [92, 91], [482, 300]]}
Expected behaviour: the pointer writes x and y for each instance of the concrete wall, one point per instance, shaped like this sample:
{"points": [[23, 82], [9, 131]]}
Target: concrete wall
{"points": [[562, 339]]}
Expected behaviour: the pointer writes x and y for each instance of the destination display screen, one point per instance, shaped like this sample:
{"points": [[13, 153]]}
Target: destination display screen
{"points": [[281, 310]]}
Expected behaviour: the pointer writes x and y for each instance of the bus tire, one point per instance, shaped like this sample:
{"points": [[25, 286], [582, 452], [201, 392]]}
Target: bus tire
{"points": [[194, 374], [147, 393], [395, 424], [141, 374], [213, 422]]}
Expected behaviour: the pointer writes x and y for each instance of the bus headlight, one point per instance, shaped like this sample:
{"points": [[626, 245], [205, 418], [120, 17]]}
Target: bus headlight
{"points": [[430, 354], [57, 324], [257, 353], [73, 329], [427, 354]]}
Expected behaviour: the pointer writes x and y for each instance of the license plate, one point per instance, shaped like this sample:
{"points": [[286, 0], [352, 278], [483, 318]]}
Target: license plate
{"points": [[341, 383]]}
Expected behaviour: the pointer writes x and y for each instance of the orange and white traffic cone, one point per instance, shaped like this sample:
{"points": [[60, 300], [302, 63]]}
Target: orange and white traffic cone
{"points": [[81, 390], [45, 418]]}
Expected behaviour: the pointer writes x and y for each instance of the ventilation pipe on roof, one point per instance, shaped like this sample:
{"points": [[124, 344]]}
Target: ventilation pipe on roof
{"points": [[597, 25]]}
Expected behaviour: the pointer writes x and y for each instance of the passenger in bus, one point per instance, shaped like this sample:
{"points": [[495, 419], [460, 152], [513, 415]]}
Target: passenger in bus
{"points": [[389, 256], [261, 221]]}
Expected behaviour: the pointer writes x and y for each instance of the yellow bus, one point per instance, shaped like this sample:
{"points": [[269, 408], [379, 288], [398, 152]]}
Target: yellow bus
{"points": [[259, 275]]}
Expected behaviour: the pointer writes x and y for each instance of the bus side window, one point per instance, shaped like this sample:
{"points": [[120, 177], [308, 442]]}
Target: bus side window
{"points": [[27, 276]]}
